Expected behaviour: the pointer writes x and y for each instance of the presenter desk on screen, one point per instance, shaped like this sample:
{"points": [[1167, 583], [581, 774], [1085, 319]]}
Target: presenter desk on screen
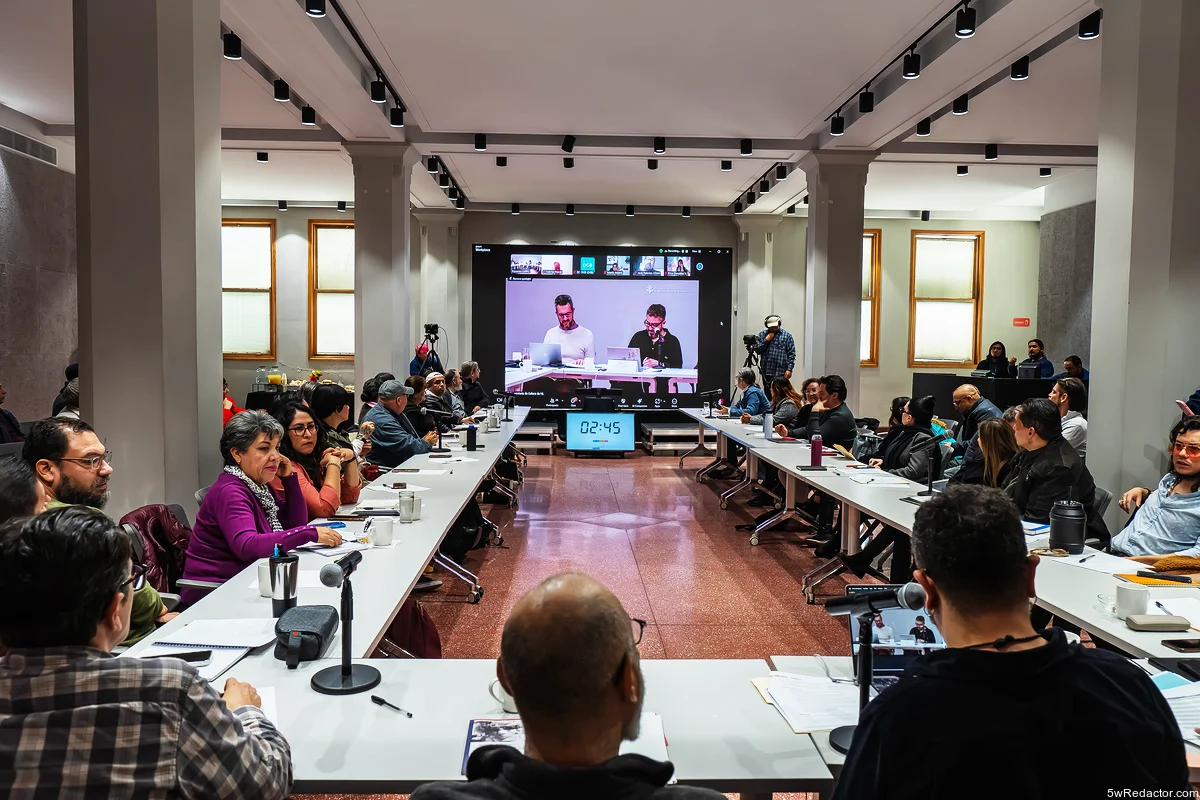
{"points": [[515, 378]]}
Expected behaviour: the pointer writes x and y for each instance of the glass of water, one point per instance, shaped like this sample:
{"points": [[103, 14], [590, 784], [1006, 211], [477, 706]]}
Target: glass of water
{"points": [[707, 409]]}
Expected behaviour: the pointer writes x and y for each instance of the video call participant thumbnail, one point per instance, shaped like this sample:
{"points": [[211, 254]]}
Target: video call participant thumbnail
{"points": [[659, 348], [576, 341]]}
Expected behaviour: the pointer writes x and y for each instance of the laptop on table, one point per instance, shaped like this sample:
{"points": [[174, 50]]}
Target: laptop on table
{"points": [[545, 355], [896, 646]]}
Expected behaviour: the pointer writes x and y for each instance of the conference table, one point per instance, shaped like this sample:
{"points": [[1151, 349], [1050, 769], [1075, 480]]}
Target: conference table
{"points": [[515, 378]]}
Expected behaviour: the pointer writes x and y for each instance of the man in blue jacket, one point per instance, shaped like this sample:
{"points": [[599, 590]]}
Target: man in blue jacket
{"points": [[1037, 357], [754, 402], [395, 440]]}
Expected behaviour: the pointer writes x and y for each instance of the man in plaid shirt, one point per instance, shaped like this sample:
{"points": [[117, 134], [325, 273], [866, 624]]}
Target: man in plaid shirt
{"points": [[777, 349], [77, 722]]}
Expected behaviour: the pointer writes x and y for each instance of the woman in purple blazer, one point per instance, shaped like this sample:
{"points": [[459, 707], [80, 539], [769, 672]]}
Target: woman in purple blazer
{"points": [[242, 518]]}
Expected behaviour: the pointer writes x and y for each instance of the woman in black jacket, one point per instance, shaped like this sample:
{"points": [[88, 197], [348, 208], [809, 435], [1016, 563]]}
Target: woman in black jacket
{"points": [[998, 363]]}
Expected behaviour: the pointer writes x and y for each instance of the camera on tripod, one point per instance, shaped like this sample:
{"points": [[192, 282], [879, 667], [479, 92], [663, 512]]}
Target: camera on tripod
{"points": [[431, 331], [750, 340]]}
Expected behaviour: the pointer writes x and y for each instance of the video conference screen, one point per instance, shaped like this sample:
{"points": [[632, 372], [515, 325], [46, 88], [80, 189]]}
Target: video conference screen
{"points": [[646, 326]]}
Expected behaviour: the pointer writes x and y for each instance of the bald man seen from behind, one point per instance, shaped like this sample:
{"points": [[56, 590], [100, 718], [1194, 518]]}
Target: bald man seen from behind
{"points": [[569, 658]]}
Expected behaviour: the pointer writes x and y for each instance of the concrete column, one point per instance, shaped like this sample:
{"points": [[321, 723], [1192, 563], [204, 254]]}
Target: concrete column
{"points": [[382, 178], [1147, 257], [755, 268], [439, 280], [833, 279], [148, 139]]}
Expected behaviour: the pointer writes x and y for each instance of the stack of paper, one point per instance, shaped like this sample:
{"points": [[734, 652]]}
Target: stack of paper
{"points": [[228, 639], [810, 703], [334, 552], [222, 657], [1185, 703], [1103, 562]]}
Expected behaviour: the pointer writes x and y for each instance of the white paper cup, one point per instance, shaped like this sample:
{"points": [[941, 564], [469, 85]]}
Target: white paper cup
{"points": [[502, 697], [381, 531], [264, 578], [1132, 599]]}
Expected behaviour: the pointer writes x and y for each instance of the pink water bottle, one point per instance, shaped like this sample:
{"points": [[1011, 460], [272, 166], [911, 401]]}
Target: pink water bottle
{"points": [[816, 449]]}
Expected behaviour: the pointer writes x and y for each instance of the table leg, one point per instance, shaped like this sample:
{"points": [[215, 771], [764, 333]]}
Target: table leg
{"points": [[700, 450], [746, 483], [851, 519]]}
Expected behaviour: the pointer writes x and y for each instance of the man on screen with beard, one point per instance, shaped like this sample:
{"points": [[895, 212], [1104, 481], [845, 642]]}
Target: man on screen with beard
{"points": [[576, 341], [658, 347]]}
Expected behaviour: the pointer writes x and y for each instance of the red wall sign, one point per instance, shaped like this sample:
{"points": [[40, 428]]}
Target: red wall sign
{"points": [[1020, 322]]}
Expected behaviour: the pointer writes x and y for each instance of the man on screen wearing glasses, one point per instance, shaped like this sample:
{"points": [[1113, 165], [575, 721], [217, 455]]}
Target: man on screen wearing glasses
{"points": [[73, 467], [659, 348], [1166, 520], [576, 341]]}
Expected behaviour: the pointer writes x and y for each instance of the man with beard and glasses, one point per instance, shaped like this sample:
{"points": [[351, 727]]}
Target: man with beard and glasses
{"points": [[73, 467], [569, 658]]}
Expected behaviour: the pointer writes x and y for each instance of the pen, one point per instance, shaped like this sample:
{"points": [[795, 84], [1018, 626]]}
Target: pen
{"points": [[379, 701], [1085, 558]]}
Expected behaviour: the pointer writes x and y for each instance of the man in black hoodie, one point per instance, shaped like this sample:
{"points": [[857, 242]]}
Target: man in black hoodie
{"points": [[569, 658], [1003, 709]]}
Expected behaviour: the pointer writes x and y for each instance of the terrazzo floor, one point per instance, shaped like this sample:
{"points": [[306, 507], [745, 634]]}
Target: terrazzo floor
{"points": [[660, 541]]}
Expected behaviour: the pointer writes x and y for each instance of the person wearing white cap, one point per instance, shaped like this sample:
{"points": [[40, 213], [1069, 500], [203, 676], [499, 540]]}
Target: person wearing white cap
{"points": [[395, 440], [777, 349]]}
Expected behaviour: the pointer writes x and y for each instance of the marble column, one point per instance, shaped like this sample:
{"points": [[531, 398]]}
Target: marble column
{"points": [[438, 290], [148, 159]]}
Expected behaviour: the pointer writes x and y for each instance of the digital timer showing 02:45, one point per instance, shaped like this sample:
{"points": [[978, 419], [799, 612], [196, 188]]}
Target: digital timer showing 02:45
{"points": [[600, 432]]}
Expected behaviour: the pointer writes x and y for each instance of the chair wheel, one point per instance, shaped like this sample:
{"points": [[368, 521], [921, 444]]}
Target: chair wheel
{"points": [[724, 505], [701, 479], [754, 541], [779, 506], [497, 540], [476, 595]]}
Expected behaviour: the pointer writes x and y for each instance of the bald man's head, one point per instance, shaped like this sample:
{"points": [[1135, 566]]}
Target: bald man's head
{"points": [[965, 397], [567, 655]]}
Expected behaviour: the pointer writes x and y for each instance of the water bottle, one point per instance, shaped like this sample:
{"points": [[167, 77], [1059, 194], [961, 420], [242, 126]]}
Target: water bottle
{"points": [[472, 442], [1068, 526], [768, 425], [816, 447], [285, 581]]}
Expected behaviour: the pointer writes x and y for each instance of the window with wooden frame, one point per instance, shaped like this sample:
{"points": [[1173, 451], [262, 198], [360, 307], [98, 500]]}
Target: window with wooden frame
{"points": [[946, 298], [868, 342], [330, 289], [248, 289]]}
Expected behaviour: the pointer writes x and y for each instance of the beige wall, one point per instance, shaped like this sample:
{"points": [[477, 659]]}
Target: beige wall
{"points": [[1010, 289]]}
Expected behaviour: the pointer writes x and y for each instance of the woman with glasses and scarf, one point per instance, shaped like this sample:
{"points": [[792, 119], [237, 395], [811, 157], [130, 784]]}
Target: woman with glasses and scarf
{"points": [[328, 473], [242, 519]]}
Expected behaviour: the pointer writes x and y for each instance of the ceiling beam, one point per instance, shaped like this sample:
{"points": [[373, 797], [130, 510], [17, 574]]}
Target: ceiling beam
{"points": [[973, 149], [432, 139]]}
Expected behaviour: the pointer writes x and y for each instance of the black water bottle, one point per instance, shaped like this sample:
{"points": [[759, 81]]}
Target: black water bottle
{"points": [[1068, 526], [471, 434]]}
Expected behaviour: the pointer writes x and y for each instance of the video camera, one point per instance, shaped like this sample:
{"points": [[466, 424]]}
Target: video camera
{"points": [[750, 340], [431, 331]]}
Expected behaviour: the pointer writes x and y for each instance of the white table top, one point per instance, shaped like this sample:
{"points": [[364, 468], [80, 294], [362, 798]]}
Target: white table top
{"points": [[515, 375], [720, 733], [386, 575]]}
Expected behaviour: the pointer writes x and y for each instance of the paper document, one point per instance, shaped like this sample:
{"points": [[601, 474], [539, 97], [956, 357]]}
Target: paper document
{"points": [[651, 741], [270, 708], [222, 657], [309, 579], [1097, 561], [1185, 703], [458, 460], [809, 703], [334, 552], [224, 633], [398, 474], [1186, 607], [882, 479], [408, 487]]}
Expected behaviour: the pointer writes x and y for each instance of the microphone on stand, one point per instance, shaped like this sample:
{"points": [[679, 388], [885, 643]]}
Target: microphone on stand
{"points": [[508, 400], [333, 574], [346, 678], [438, 427]]}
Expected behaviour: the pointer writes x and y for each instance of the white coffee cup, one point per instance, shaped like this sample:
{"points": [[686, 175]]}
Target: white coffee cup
{"points": [[264, 578], [502, 697], [381, 531], [1132, 599]]}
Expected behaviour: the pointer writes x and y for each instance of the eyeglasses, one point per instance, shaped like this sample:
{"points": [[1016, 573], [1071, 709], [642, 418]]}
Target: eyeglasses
{"points": [[300, 430], [1189, 450], [92, 462], [137, 577], [639, 627], [650, 326]]}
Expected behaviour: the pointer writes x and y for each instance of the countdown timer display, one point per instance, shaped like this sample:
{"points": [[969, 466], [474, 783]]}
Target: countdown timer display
{"points": [[600, 432]]}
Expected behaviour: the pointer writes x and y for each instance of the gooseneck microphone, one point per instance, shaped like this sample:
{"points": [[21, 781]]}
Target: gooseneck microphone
{"points": [[346, 678], [333, 574], [910, 596], [711, 393]]}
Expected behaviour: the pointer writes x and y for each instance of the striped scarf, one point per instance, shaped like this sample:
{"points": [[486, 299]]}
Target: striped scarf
{"points": [[265, 498]]}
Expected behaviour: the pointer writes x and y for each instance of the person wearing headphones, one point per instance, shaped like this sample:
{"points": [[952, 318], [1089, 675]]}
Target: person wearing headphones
{"points": [[777, 349]]}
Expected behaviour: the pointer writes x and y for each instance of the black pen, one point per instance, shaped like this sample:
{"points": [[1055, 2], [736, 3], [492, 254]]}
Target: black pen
{"points": [[379, 701], [1085, 558]]}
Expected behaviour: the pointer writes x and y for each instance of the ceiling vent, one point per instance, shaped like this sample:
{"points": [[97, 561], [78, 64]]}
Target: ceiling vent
{"points": [[20, 143]]}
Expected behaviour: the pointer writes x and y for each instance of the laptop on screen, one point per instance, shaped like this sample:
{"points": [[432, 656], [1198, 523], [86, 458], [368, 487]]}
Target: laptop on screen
{"points": [[625, 354], [545, 355], [899, 637]]}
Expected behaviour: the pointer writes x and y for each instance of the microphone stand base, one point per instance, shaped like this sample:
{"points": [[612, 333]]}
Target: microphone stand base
{"points": [[331, 680], [840, 738]]}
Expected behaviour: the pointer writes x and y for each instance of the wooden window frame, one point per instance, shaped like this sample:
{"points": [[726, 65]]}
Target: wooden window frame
{"points": [[255, 223], [876, 235], [313, 226], [977, 299]]}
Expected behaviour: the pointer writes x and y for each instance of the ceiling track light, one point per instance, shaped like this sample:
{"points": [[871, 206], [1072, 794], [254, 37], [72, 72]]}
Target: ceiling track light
{"points": [[341, 206], [378, 91], [461, 202], [652, 163], [396, 117], [687, 212], [750, 198], [501, 161], [737, 208], [431, 165], [232, 46], [444, 180], [866, 101], [764, 186], [570, 209], [1019, 71], [961, 105], [964, 22], [283, 92], [516, 209], [781, 172], [480, 143], [747, 147], [308, 115], [314, 8], [261, 157], [1044, 172], [726, 166], [283, 205], [924, 216], [568, 145], [991, 152], [452, 193], [660, 144], [791, 209], [629, 211], [962, 170], [925, 127], [912, 66], [1089, 26], [837, 125], [805, 199], [568, 163]]}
